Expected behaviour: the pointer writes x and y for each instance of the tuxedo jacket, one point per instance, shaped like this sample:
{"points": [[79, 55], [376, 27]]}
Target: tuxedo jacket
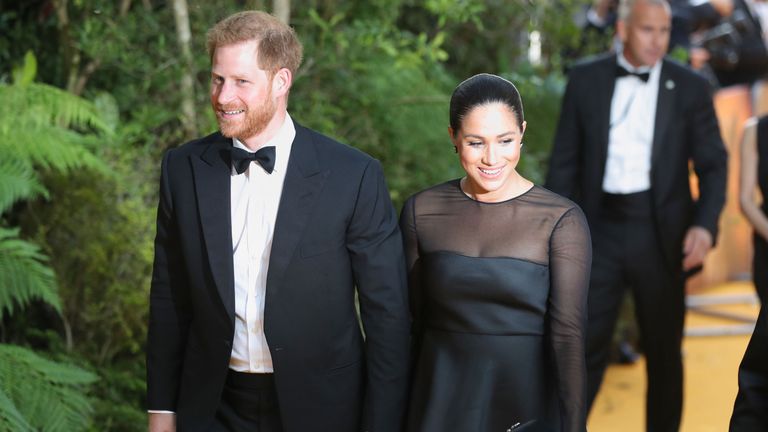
{"points": [[336, 230], [750, 412], [685, 130]]}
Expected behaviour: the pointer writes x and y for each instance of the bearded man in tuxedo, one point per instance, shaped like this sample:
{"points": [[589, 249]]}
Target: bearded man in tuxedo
{"points": [[265, 232]]}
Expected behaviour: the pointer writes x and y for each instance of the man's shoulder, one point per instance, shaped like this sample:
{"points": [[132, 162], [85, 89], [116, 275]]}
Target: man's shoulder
{"points": [[683, 73], [330, 149], [197, 145], [590, 64]]}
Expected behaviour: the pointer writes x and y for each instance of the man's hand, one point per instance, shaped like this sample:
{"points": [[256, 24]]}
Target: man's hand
{"points": [[697, 242], [162, 422]]}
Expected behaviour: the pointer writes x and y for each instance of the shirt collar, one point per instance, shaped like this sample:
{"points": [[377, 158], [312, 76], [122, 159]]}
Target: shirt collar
{"points": [[623, 62], [282, 141], [653, 70]]}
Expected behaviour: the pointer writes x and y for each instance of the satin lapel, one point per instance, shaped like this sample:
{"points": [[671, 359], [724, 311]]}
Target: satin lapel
{"points": [[603, 99], [303, 182], [665, 106], [212, 171]]}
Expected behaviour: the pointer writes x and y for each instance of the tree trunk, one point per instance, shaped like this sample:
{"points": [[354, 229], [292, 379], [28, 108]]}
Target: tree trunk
{"points": [[69, 56], [282, 10], [72, 57], [188, 115]]}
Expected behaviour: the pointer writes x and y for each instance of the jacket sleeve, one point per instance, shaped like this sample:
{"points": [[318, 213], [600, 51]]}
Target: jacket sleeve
{"points": [[565, 159], [710, 160], [168, 323], [378, 264]]}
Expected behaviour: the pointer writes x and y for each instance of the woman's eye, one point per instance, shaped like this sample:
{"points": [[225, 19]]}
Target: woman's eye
{"points": [[475, 143], [507, 141]]}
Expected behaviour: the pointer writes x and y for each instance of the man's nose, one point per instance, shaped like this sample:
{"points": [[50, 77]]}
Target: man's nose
{"points": [[224, 93]]}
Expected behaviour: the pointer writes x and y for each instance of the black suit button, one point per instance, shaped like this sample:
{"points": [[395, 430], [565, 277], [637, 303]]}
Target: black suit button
{"points": [[228, 344]]}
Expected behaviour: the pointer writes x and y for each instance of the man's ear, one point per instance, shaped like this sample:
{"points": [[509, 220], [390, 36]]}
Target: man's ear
{"points": [[621, 30], [282, 82]]}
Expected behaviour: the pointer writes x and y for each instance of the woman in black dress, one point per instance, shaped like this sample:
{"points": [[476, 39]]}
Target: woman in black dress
{"points": [[750, 411], [499, 270], [753, 181]]}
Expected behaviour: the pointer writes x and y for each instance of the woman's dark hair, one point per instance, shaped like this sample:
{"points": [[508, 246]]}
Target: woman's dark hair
{"points": [[483, 89]]}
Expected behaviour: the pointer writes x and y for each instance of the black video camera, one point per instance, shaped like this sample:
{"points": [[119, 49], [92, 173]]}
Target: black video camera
{"points": [[723, 41]]}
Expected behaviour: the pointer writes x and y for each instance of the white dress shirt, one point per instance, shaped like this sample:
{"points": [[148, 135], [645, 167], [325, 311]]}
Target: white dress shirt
{"points": [[630, 139], [255, 198]]}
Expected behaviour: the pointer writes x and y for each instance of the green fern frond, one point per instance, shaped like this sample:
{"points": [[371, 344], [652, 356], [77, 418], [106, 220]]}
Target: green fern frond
{"points": [[47, 394], [17, 181], [38, 104], [24, 274], [50, 127], [48, 146], [10, 417]]}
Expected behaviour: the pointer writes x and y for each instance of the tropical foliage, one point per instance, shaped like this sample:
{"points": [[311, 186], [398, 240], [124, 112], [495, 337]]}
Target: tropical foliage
{"points": [[41, 128], [84, 122]]}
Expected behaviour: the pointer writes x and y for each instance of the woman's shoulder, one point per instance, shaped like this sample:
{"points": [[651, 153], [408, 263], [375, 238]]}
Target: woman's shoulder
{"points": [[547, 197], [435, 193], [550, 201]]}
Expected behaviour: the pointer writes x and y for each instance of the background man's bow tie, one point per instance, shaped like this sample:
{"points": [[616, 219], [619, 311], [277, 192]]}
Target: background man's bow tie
{"points": [[622, 72], [264, 156]]}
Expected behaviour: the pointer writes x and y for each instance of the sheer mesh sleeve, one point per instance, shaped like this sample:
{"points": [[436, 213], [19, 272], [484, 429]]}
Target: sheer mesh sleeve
{"points": [[411, 247], [570, 261]]}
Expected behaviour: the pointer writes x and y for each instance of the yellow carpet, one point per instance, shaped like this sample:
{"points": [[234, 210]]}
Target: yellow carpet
{"points": [[711, 364]]}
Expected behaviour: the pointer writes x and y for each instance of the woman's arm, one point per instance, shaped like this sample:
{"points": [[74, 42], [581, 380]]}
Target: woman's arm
{"points": [[570, 261], [411, 247], [748, 190]]}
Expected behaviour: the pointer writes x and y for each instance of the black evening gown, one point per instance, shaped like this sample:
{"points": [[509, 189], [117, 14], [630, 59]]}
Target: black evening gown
{"points": [[499, 296], [750, 411], [760, 257]]}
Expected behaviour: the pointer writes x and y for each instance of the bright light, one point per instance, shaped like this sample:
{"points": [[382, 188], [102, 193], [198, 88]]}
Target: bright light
{"points": [[534, 47]]}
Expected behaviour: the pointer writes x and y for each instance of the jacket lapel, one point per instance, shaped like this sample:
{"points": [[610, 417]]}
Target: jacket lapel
{"points": [[303, 182], [212, 171], [603, 98], [664, 109]]}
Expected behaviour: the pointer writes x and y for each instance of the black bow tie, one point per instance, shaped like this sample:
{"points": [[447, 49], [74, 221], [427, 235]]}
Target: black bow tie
{"points": [[622, 72], [264, 156]]}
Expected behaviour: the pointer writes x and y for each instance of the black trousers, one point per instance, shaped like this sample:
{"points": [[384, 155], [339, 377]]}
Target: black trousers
{"points": [[248, 404], [627, 255]]}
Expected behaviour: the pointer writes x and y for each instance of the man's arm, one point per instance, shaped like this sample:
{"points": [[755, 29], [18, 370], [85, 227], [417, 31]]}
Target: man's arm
{"points": [[565, 159], [378, 263], [709, 160], [167, 322]]}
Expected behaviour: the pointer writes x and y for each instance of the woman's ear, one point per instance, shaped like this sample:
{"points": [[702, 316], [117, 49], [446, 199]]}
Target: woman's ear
{"points": [[453, 140]]}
